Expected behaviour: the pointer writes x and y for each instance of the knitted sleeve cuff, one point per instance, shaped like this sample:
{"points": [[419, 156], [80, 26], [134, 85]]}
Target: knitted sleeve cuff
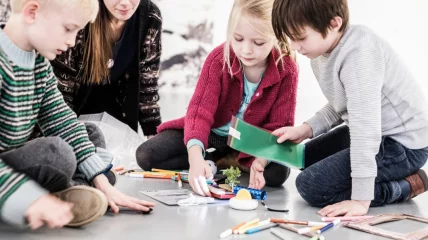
{"points": [[363, 188], [96, 164], [192, 142], [318, 125]]}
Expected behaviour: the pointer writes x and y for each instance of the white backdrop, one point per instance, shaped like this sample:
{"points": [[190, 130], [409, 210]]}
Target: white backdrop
{"points": [[402, 23]]}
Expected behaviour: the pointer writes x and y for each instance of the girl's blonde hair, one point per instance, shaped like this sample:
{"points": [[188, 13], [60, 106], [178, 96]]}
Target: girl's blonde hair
{"points": [[261, 11], [88, 8]]}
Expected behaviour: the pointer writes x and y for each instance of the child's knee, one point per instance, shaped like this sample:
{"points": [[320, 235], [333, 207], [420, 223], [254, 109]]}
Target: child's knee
{"points": [[309, 190], [275, 175], [95, 135], [60, 154], [145, 156]]}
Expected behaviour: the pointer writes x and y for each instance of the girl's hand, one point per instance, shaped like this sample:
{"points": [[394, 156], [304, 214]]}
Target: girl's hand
{"points": [[257, 180], [199, 172]]}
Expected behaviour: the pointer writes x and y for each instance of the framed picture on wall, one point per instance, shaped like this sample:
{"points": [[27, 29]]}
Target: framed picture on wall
{"points": [[187, 38]]}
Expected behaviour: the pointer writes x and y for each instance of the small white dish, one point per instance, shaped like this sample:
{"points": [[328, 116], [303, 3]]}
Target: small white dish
{"points": [[245, 205]]}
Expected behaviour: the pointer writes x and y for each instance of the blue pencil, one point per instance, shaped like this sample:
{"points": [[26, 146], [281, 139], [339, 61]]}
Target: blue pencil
{"points": [[261, 228], [328, 226]]}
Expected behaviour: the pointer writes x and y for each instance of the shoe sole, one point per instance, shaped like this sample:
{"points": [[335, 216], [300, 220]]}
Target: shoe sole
{"points": [[423, 175], [101, 210]]}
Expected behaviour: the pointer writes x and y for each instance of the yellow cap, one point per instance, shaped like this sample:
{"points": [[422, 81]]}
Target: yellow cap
{"points": [[243, 194]]}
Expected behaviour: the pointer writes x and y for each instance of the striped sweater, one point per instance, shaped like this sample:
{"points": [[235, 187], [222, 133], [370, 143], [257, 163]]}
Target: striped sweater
{"points": [[29, 96]]}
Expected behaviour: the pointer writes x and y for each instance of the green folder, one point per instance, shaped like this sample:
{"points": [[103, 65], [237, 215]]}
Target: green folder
{"points": [[260, 143]]}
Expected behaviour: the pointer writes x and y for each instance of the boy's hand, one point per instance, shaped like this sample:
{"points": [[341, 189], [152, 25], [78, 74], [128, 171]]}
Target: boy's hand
{"points": [[257, 180], [49, 210], [199, 172], [116, 198], [346, 208], [294, 134]]}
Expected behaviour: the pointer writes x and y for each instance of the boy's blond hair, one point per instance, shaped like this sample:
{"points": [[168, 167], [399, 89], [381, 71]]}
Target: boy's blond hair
{"points": [[89, 8], [261, 11]]}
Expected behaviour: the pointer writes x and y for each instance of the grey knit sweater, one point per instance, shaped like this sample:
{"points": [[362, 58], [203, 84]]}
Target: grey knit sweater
{"points": [[370, 88]]}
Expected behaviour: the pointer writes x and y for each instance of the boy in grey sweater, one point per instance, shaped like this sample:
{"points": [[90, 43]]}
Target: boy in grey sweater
{"points": [[375, 158]]}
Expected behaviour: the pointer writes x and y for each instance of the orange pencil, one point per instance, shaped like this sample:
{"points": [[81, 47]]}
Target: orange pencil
{"points": [[116, 169], [155, 175], [276, 220], [163, 171], [238, 226]]}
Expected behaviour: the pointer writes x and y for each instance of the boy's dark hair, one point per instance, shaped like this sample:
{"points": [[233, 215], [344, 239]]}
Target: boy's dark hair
{"points": [[289, 17]]}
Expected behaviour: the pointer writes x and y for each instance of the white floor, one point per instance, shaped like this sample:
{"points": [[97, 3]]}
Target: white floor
{"points": [[207, 222]]}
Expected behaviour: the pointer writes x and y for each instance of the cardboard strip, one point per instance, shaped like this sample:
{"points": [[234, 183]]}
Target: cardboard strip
{"points": [[368, 226]]}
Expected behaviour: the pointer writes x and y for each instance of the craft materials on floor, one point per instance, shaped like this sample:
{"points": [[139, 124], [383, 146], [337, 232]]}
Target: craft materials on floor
{"points": [[243, 201], [328, 226], [255, 193], [369, 226], [256, 225], [168, 197], [345, 219], [250, 227], [220, 193]]}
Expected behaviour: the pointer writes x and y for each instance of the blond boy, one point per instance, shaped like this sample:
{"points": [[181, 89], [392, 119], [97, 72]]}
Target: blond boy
{"points": [[29, 96]]}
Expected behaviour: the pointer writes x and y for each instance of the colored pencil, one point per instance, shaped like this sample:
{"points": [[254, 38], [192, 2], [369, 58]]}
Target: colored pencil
{"points": [[344, 219], [295, 222], [260, 228], [328, 226]]}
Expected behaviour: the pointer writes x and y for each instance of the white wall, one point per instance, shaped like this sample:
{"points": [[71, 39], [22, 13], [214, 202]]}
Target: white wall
{"points": [[402, 23]]}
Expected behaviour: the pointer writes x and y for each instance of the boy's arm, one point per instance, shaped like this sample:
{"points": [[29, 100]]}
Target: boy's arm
{"points": [[363, 75], [323, 120], [57, 119], [17, 193], [149, 116]]}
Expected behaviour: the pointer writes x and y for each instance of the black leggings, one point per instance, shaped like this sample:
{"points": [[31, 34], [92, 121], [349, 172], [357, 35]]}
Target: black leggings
{"points": [[168, 151]]}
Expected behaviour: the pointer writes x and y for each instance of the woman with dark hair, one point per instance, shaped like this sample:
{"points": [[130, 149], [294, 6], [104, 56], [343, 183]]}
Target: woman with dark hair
{"points": [[114, 65]]}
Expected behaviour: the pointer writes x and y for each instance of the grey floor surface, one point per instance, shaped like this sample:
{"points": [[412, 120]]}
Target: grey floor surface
{"points": [[208, 221]]}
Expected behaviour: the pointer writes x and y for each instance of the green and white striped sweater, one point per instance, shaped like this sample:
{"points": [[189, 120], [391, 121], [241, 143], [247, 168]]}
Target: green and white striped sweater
{"points": [[29, 96]]}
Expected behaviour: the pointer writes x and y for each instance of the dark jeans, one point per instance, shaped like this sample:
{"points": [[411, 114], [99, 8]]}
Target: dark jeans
{"points": [[50, 161], [168, 151], [326, 178]]}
